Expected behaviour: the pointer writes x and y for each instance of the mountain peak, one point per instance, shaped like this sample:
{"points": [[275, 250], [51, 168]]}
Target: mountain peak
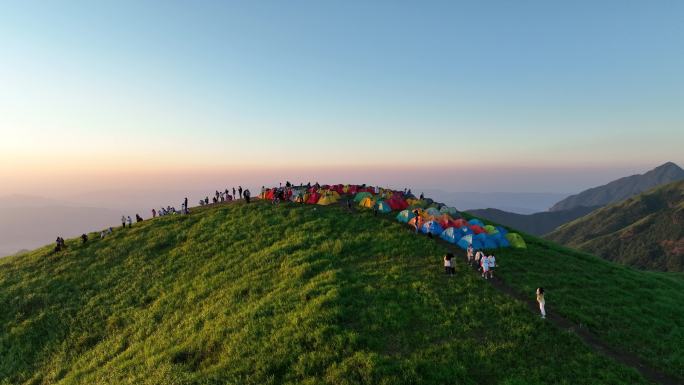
{"points": [[623, 188]]}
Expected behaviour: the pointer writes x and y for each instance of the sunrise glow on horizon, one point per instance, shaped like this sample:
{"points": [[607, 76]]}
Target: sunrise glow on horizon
{"points": [[129, 94]]}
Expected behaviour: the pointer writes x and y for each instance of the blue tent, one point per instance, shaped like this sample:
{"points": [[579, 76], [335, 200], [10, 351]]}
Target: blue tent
{"points": [[477, 244], [432, 227], [465, 230], [465, 241], [433, 212], [405, 216], [451, 235], [490, 244], [476, 221], [480, 237], [503, 242], [502, 231]]}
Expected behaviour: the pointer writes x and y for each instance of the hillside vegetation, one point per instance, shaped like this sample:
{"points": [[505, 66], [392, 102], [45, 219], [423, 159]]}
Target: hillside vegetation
{"points": [[646, 231], [623, 188], [535, 224], [259, 294]]}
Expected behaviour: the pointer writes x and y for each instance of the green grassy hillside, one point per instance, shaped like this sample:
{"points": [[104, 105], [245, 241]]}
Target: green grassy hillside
{"points": [[257, 294], [646, 231]]}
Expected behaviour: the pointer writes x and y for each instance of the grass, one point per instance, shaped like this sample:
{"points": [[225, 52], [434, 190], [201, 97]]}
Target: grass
{"points": [[633, 310], [256, 294]]}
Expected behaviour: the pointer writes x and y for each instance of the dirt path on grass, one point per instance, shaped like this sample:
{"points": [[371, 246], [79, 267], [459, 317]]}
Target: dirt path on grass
{"points": [[591, 340]]}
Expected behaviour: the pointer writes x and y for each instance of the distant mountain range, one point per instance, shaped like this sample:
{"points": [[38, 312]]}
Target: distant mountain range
{"points": [[538, 223], [581, 204], [516, 202], [646, 231], [623, 188]]}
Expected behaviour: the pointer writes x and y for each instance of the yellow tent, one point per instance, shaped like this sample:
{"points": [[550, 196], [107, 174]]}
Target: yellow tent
{"points": [[327, 199], [367, 202]]}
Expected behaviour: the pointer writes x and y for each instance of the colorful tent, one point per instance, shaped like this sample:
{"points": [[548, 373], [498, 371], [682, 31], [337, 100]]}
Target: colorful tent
{"points": [[477, 229], [327, 199], [367, 202], [449, 210], [405, 216], [360, 196], [313, 198], [491, 229], [416, 222], [431, 227], [476, 222], [465, 241], [516, 241], [397, 202], [451, 235], [433, 212], [383, 207]]}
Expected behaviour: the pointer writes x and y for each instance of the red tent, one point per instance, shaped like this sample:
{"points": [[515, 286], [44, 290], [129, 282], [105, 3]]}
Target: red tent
{"points": [[460, 223], [397, 203], [313, 198], [477, 229]]}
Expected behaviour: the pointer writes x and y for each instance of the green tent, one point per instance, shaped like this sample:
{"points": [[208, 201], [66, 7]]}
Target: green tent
{"points": [[516, 241], [491, 229], [449, 210], [359, 196]]}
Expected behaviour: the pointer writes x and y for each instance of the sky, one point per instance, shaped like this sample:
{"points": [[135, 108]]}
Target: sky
{"points": [[462, 96]]}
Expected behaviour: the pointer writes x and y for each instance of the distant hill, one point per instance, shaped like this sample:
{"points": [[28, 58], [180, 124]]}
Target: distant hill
{"points": [[623, 188], [517, 202], [536, 224], [646, 231]]}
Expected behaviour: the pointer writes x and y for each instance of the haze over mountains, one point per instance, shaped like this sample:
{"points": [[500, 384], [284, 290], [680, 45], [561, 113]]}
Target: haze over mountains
{"points": [[578, 205]]}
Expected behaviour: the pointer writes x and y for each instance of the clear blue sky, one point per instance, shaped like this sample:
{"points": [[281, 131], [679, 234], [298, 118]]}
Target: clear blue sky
{"points": [[118, 86]]}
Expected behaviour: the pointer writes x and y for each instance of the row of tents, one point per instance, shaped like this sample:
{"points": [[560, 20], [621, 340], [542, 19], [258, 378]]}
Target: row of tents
{"points": [[432, 218]]}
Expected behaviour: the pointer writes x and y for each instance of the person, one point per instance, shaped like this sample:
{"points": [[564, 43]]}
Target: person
{"points": [[154, 213], [349, 205], [375, 209], [186, 201], [478, 258], [246, 194], [130, 221], [84, 238], [234, 194], [471, 254], [206, 200], [240, 191], [138, 218], [102, 234], [123, 221], [422, 196], [58, 246], [484, 263], [491, 261], [542, 302], [110, 230], [448, 268]]}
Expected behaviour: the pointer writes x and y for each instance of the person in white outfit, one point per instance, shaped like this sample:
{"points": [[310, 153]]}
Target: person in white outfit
{"points": [[541, 301]]}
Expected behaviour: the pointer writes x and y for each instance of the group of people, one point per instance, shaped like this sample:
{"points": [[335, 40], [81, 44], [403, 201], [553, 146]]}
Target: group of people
{"points": [[224, 196], [485, 263]]}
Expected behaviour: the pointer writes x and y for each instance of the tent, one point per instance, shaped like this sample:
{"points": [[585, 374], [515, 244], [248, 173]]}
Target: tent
{"points": [[431, 227], [451, 235], [491, 229], [516, 241], [490, 243], [460, 223], [313, 198], [367, 202], [476, 222], [298, 195], [327, 199], [383, 207], [465, 241], [405, 216], [477, 229], [433, 212], [397, 202], [360, 196], [449, 210]]}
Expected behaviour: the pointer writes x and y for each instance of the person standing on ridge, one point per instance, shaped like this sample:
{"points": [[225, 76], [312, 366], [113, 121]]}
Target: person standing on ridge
{"points": [[154, 213], [541, 301], [130, 222], [240, 191], [123, 221], [247, 195]]}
